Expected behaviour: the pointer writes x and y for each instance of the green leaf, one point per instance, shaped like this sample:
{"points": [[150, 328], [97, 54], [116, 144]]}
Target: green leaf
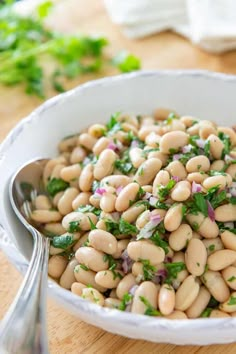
{"points": [[126, 300], [63, 241], [44, 8], [232, 301], [89, 209], [227, 144], [113, 121], [163, 191], [200, 203], [92, 225], [74, 226], [232, 200], [156, 238], [84, 267], [148, 269], [56, 185], [126, 228], [150, 310], [207, 148], [231, 278], [173, 269], [206, 312], [126, 62]]}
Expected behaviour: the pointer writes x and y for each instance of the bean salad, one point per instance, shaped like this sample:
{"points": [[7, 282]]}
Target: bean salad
{"points": [[141, 213]]}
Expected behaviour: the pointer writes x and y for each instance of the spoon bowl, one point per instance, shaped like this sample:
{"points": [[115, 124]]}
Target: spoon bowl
{"points": [[26, 316]]}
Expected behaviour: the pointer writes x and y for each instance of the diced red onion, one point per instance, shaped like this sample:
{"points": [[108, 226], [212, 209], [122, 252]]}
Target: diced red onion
{"points": [[100, 191], [134, 144], [147, 196], [162, 273], [211, 211], [119, 189], [155, 218], [153, 201], [175, 178], [196, 188], [127, 262], [228, 158], [168, 259], [113, 146], [200, 143], [186, 148], [177, 156], [133, 289], [147, 230]]}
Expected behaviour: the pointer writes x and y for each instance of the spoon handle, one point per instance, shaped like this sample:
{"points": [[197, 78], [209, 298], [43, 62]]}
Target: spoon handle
{"points": [[23, 330]]}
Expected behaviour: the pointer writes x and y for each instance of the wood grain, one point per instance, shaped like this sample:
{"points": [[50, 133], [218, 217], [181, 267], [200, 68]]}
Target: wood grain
{"points": [[68, 334]]}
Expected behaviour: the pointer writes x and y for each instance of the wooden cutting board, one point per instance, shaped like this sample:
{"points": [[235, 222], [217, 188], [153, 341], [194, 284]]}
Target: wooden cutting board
{"points": [[68, 334]]}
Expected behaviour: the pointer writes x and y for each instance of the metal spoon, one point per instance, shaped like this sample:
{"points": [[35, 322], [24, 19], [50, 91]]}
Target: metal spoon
{"points": [[24, 330]]}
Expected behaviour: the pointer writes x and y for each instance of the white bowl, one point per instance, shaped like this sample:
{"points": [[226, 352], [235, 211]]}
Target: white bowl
{"points": [[202, 94]]}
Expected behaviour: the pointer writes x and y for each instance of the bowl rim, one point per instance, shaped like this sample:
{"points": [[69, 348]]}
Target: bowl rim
{"points": [[53, 101], [59, 293]]}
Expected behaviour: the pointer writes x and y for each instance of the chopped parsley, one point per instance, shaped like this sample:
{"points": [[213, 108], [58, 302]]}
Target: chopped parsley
{"points": [[84, 267], [172, 270], [150, 310], [63, 241], [222, 228], [227, 144], [211, 248], [126, 300], [207, 147], [124, 164], [92, 225], [112, 264], [148, 269], [89, 209], [231, 278], [74, 226], [232, 301], [163, 191], [56, 185], [158, 241], [121, 227], [206, 312]]}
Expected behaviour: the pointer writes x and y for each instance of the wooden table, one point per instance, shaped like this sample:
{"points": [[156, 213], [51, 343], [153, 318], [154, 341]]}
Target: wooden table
{"points": [[68, 334]]}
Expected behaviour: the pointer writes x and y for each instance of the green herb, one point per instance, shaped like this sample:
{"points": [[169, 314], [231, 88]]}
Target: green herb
{"points": [[186, 157], [163, 191], [231, 278], [113, 121], [126, 300], [213, 302], [84, 267], [112, 227], [63, 241], [91, 158], [173, 269], [222, 228], [232, 200], [150, 310], [200, 203], [74, 226], [141, 171], [148, 269], [173, 151], [156, 238], [147, 151], [160, 205], [216, 173], [232, 301], [126, 62], [195, 226], [112, 264], [124, 164], [56, 185], [207, 149], [211, 248], [89, 209], [126, 228], [92, 225], [206, 312], [25, 40], [170, 118], [227, 144]]}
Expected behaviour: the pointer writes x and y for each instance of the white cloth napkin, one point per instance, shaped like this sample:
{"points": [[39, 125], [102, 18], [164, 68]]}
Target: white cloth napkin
{"points": [[211, 24]]}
